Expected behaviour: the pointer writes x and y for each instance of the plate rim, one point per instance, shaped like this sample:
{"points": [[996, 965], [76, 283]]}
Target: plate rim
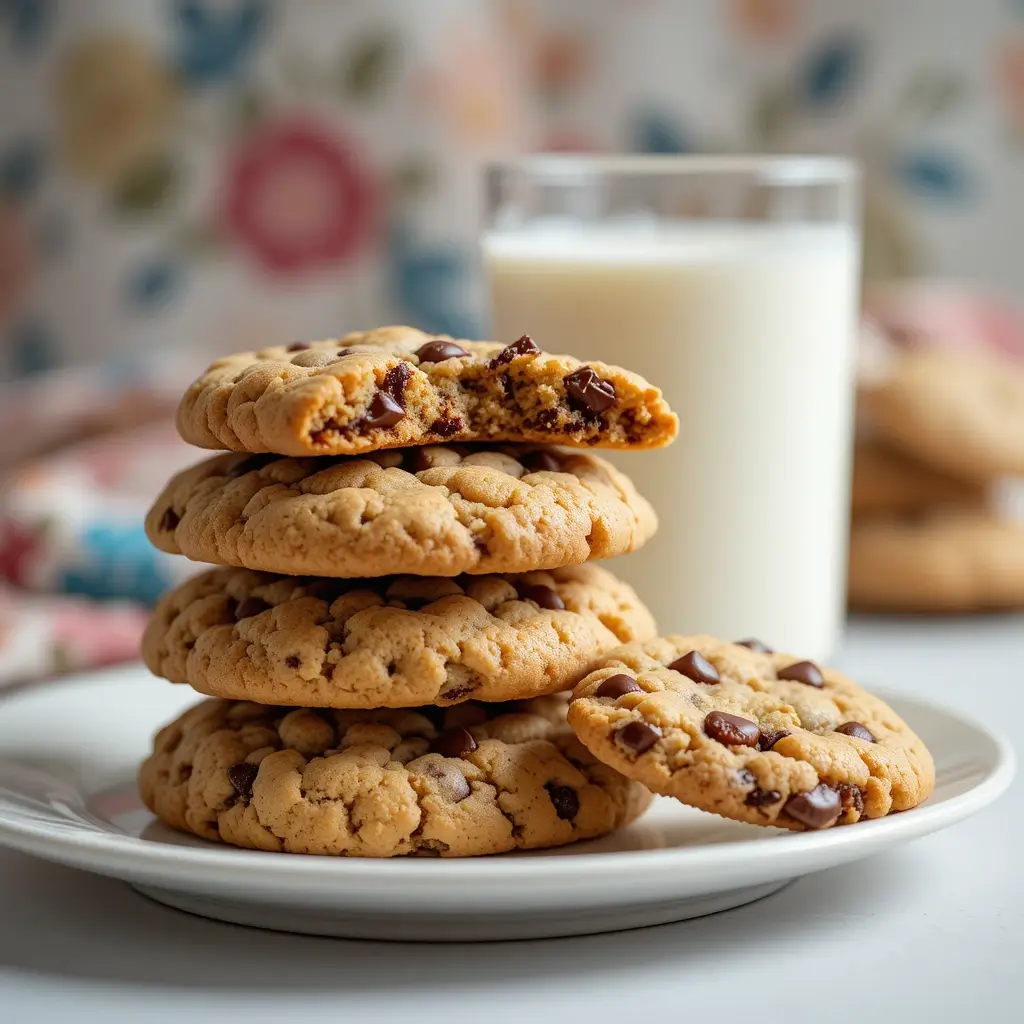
{"points": [[119, 850]]}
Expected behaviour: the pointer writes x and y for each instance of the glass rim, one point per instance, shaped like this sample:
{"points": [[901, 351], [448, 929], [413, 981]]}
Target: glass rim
{"points": [[774, 169]]}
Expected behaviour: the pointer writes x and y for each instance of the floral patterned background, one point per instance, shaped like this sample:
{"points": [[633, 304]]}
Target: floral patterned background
{"points": [[223, 173]]}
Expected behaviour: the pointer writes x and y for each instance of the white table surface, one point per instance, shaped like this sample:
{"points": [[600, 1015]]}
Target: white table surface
{"points": [[932, 931]]}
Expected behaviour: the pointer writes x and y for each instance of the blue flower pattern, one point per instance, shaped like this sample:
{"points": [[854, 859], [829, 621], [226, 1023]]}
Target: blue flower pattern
{"points": [[213, 45], [117, 561]]}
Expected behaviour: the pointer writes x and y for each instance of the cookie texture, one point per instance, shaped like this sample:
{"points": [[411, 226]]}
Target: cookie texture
{"points": [[458, 782], [960, 411], [397, 386], [439, 510], [949, 560], [389, 642], [886, 481], [753, 735]]}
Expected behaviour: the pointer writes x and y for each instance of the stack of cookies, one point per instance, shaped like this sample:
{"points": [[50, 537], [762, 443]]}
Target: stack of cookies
{"points": [[402, 529], [937, 517]]}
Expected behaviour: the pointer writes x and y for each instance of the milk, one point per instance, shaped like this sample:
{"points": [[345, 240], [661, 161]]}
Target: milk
{"points": [[748, 329]]}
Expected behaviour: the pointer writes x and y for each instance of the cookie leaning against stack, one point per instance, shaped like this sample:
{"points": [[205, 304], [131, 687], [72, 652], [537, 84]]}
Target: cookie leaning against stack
{"points": [[401, 593], [930, 530]]}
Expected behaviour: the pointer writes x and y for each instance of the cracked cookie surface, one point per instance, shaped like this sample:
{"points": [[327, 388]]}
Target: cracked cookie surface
{"points": [[439, 510], [389, 642], [948, 560], [749, 734], [397, 386], [458, 782]]}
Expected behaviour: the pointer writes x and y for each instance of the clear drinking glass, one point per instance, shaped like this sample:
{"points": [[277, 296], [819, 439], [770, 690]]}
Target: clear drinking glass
{"points": [[731, 284]]}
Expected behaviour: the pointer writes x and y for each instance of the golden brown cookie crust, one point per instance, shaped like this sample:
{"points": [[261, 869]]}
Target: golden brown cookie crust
{"points": [[886, 481], [371, 390], [779, 760], [959, 411], [390, 642], [455, 783], [439, 510], [949, 560]]}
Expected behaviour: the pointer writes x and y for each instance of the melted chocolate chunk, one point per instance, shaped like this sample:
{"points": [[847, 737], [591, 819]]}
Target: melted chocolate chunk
{"points": [[396, 379], [862, 732], [523, 346], [565, 800], [638, 736], [169, 520], [445, 426], [455, 742], [769, 739], [588, 391], [805, 672], [438, 351], [617, 685], [384, 411], [731, 730], [242, 776], [817, 808], [696, 667]]}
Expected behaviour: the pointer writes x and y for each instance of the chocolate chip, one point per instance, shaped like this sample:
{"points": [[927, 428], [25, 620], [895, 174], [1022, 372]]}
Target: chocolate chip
{"points": [[852, 798], [450, 781], [862, 732], [755, 645], [803, 672], [546, 419], [769, 739], [439, 351], [249, 607], [455, 742], [298, 346], [507, 385], [342, 352], [816, 808], [758, 797], [457, 692], [396, 379], [384, 411], [445, 426], [169, 520], [546, 597], [523, 346], [242, 776], [696, 667], [250, 465], [617, 685], [638, 736], [541, 462], [565, 799], [588, 390], [293, 661], [731, 730]]}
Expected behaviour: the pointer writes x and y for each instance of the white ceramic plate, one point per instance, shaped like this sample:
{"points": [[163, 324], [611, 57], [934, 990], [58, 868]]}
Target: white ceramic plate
{"points": [[69, 753]]}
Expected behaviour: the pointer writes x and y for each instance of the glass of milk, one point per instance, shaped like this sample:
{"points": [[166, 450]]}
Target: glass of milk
{"points": [[732, 284]]}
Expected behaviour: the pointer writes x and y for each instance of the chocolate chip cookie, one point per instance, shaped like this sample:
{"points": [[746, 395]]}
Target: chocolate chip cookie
{"points": [[948, 560], [459, 782], [397, 386], [750, 734], [437, 510], [389, 642], [886, 481], [957, 410]]}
